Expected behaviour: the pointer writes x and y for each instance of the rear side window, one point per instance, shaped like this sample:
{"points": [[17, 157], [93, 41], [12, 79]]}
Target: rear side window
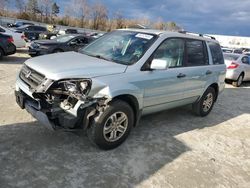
{"points": [[216, 53], [196, 53]]}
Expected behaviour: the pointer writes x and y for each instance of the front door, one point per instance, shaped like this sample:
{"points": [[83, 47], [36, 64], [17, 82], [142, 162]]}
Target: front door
{"points": [[163, 88]]}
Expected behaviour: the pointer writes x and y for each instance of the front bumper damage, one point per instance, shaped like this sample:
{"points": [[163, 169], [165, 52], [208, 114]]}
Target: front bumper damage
{"points": [[53, 105], [57, 117]]}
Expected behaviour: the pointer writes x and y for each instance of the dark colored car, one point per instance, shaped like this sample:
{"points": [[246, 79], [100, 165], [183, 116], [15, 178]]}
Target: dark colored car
{"points": [[19, 24], [60, 44], [31, 32], [6, 45]]}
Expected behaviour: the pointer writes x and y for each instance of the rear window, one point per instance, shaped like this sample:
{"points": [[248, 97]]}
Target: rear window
{"points": [[231, 57], [216, 53], [196, 53]]}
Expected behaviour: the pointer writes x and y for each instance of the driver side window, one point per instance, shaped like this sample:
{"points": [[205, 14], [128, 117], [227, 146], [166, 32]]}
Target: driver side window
{"points": [[171, 51]]}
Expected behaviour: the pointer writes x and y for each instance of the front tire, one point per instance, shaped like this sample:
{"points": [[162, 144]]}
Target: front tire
{"points": [[113, 126], [204, 106], [239, 81]]}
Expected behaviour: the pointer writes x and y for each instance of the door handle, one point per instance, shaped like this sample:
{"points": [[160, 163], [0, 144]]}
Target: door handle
{"points": [[181, 75], [209, 72]]}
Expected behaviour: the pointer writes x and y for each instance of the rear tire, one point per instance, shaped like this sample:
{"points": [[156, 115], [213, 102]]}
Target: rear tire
{"points": [[239, 81], [204, 106], [113, 126]]}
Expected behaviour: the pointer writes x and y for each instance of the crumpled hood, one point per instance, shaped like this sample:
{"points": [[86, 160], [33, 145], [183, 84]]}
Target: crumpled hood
{"points": [[73, 65]]}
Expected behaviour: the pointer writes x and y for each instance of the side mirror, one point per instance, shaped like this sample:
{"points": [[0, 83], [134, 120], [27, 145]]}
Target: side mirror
{"points": [[158, 64]]}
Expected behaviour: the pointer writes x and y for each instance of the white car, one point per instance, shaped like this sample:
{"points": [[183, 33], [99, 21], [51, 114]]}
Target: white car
{"points": [[238, 68], [19, 41]]}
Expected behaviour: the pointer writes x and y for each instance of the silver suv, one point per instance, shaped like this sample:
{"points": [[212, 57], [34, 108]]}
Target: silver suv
{"points": [[106, 87]]}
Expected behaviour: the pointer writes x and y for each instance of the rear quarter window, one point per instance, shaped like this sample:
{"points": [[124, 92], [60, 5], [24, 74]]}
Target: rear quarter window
{"points": [[216, 53]]}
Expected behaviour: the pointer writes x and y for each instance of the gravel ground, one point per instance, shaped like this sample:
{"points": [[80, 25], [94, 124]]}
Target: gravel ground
{"points": [[173, 148]]}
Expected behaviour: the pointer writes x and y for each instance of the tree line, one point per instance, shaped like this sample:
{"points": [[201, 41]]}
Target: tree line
{"points": [[78, 13]]}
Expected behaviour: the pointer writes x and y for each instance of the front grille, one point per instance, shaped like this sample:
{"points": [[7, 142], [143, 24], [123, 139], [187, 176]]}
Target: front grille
{"points": [[31, 77]]}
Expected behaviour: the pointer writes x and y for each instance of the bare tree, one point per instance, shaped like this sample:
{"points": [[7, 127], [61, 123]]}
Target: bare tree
{"points": [[20, 5], [32, 7], [3, 6], [81, 10], [99, 16], [119, 20]]}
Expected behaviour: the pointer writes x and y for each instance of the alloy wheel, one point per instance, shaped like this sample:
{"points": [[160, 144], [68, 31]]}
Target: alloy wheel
{"points": [[208, 102], [115, 126]]}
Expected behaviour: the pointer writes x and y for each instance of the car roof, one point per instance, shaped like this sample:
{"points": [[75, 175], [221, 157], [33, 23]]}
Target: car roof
{"points": [[177, 34]]}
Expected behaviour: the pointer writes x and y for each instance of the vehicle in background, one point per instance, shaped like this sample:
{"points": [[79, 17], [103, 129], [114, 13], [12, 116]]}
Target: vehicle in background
{"points": [[238, 51], [18, 37], [67, 31], [51, 32], [238, 68], [48, 35], [31, 32], [60, 44], [232, 50], [96, 35], [227, 50], [6, 45], [19, 24], [106, 87]]}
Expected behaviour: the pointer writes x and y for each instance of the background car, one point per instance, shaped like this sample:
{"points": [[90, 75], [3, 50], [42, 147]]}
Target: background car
{"points": [[48, 35], [19, 24], [6, 45], [238, 68], [67, 31], [60, 44], [18, 37], [31, 32]]}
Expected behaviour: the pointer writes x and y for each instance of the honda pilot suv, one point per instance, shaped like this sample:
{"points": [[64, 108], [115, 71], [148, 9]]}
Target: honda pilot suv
{"points": [[107, 86]]}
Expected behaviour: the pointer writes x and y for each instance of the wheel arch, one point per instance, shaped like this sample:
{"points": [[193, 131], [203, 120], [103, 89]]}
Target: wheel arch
{"points": [[215, 86], [133, 102]]}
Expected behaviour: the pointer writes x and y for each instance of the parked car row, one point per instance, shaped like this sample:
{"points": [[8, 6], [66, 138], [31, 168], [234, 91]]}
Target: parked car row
{"points": [[62, 43]]}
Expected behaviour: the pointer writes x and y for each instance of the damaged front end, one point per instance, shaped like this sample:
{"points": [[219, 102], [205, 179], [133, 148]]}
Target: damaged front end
{"points": [[62, 104]]}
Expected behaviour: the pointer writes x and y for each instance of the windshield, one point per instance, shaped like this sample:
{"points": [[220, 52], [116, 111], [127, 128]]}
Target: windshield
{"points": [[63, 38], [231, 57], [124, 47]]}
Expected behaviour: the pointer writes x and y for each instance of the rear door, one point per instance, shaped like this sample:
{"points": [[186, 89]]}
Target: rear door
{"points": [[197, 68]]}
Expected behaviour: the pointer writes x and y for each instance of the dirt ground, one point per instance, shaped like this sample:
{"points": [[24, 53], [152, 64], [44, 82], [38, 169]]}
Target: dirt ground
{"points": [[173, 148]]}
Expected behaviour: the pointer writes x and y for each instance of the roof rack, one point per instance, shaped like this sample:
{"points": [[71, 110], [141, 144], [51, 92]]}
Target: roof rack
{"points": [[197, 34]]}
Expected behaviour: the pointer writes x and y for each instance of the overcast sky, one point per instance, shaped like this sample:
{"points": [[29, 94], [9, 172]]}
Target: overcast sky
{"points": [[231, 17]]}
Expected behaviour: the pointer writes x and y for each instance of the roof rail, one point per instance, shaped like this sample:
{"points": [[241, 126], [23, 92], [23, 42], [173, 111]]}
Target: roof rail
{"points": [[197, 34]]}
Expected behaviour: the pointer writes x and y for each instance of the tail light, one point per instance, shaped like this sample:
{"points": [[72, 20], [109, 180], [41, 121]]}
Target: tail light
{"points": [[233, 65], [10, 40]]}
